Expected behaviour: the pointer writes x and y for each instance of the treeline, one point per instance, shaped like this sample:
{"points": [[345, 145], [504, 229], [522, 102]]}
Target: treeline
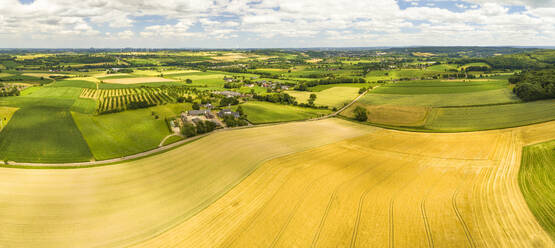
{"points": [[281, 98], [305, 85], [534, 85]]}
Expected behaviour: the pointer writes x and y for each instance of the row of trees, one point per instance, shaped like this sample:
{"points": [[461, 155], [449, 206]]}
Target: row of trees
{"points": [[305, 85]]}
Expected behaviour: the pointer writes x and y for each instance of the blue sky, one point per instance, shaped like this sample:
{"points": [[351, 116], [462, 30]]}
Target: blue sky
{"points": [[274, 23]]}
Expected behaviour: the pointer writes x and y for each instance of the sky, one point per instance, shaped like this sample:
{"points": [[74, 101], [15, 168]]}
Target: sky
{"points": [[274, 23]]}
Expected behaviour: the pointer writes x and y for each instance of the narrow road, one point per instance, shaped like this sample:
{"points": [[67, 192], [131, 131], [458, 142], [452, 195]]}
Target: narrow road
{"points": [[162, 148]]}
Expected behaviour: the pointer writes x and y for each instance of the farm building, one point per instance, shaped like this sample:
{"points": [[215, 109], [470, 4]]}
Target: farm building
{"points": [[228, 93], [228, 112], [197, 112]]}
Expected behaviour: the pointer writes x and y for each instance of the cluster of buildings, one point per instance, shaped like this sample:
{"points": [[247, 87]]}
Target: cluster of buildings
{"points": [[196, 116]]}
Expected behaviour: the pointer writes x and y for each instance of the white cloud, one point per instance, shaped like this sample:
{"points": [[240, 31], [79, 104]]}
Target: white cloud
{"points": [[316, 22]]}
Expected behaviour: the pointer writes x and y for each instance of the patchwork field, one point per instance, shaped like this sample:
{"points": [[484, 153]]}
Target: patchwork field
{"points": [[332, 97], [136, 80], [386, 188], [265, 112], [123, 204]]}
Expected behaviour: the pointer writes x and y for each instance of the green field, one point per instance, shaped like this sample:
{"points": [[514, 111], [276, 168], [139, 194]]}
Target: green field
{"points": [[537, 182], [126, 133], [441, 100], [43, 134], [490, 117], [327, 86], [264, 112], [332, 97], [439, 87]]}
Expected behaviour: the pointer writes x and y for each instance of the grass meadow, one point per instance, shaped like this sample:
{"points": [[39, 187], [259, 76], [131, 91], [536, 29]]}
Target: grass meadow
{"points": [[43, 134], [490, 117], [126, 133], [537, 182], [264, 112]]}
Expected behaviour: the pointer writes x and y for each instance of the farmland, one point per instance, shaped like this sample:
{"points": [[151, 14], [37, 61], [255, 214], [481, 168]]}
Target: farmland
{"points": [[263, 112], [336, 184], [153, 193], [332, 97], [42, 134], [369, 195], [491, 117], [537, 182], [115, 135], [448, 147]]}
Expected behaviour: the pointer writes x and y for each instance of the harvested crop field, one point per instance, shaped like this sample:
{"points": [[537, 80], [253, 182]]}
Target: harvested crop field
{"points": [[386, 188], [122, 204], [137, 80], [325, 183]]}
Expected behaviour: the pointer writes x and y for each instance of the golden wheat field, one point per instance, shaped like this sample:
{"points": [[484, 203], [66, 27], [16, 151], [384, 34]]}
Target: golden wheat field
{"points": [[327, 183]]}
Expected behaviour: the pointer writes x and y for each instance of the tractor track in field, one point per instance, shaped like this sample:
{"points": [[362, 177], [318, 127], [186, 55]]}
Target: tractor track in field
{"points": [[361, 203], [298, 204], [330, 201], [426, 224], [460, 219], [259, 211]]}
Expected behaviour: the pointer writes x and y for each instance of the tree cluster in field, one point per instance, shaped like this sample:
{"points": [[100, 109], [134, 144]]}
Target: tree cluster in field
{"points": [[231, 121], [226, 101], [190, 130], [121, 70], [534, 85], [281, 98], [305, 85], [13, 91], [360, 114]]}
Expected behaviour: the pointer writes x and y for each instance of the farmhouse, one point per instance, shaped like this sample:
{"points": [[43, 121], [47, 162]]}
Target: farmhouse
{"points": [[228, 112], [228, 93], [197, 112]]}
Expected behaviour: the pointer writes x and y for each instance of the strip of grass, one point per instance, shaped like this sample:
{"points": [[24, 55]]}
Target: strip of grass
{"points": [[264, 112], [491, 117], [439, 87], [537, 182], [43, 134], [442, 100]]}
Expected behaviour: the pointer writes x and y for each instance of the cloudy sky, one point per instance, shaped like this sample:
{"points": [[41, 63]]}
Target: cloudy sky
{"points": [[274, 23]]}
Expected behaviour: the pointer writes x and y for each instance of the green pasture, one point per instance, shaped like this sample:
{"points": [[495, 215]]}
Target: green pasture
{"points": [[43, 134], [126, 133], [439, 87], [265, 112], [499, 96], [490, 117], [537, 182]]}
